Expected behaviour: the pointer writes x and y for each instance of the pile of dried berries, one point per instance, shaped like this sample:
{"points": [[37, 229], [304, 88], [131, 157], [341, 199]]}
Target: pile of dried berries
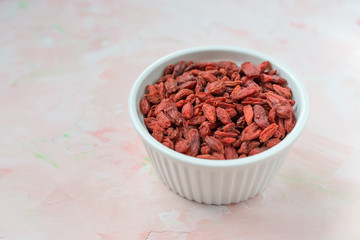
{"points": [[218, 110]]}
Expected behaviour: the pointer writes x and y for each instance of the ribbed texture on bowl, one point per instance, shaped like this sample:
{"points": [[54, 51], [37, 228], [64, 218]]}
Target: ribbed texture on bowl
{"points": [[215, 186]]}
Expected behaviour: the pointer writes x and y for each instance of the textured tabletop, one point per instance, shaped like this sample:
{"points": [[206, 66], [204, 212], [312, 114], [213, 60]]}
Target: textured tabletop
{"points": [[73, 167]]}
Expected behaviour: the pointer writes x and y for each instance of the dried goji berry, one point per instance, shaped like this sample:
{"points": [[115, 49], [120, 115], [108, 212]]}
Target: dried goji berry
{"points": [[205, 149], [223, 115], [184, 78], [252, 83], [194, 141], [215, 100], [272, 78], [230, 152], [253, 101], [171, 85], [160, 107], [209, 112], [214, 125], [260, 116], [272, 142], [257, 150], [203, 96], [272, 115], [204, 129], [241, 122], [179, 68], [154, 98], [164, 78], [239, 108], [230, 128], [250, 132], [151, 123], [218, 155], [250, 70], [167, 142], [264, 66], [187, 111], [232, 112], [224, 105], [232, 83], [163, 120], [188, 85], [284, 92], [172, 133], [220, 134], [158, 134], [180, 103], [207, 156], [182, 93], [243, 148], [253, 144], [161, 90], [244, 79], [281, 127], [267, 86], [182, 146], [198, 87], [239, 92], [289, 123], [237, 143], [208, 76], [144, 106], [190, 99], [217, 87], [169, 69], [214, 144], [268, 132], [227, 140], [248, 113], [272, 72], [173, 113], [197, 120]]}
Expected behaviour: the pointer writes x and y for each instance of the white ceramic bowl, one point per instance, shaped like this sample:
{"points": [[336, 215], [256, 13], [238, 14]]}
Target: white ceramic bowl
{"points": [[211, 181]]}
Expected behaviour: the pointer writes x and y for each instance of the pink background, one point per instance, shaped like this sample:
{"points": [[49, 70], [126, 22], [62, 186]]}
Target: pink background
{"points": [[72, 166]]}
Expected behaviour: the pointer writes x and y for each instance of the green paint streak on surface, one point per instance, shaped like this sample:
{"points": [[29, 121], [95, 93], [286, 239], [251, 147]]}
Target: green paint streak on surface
{"points": [[316, 185], [46, 159], [84, 155], [59, 28], [66, 135], [45, 140], [23, 5], [147, 162], [98, 177], [39, 154], [147, 166]]}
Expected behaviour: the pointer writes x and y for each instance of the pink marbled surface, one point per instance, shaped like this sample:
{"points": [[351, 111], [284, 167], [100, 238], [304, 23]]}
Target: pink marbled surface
{"points": [[72, 167]]}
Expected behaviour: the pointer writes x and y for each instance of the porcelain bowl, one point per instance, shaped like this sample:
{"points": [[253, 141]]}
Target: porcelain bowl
{"points": [[212, 181]]}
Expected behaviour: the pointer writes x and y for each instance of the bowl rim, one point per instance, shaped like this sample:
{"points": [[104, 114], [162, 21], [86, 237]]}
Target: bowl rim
{"points": [[285, 143]]}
